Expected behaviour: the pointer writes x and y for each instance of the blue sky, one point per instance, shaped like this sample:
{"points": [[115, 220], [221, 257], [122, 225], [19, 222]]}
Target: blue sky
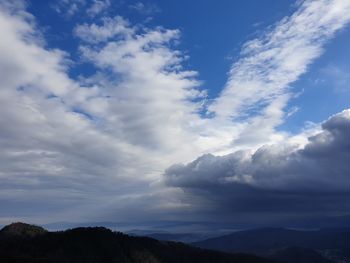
{"points": [[174, 110]]}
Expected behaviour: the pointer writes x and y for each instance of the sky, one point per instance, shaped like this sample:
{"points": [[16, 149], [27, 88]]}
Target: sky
{"points": [[174, 111]]}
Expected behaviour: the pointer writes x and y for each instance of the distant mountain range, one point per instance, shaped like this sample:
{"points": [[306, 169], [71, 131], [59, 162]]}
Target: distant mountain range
{"points": [[23, 243], [314, 222], [291, 246], [178, 237]]}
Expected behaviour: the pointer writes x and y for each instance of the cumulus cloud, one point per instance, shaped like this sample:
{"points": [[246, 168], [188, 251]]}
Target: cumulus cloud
{"points": [[281, 166], [275, 178]]}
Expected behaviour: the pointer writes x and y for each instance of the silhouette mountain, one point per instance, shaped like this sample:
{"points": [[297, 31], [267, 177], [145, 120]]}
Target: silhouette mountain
{"points": [[26, 244]]}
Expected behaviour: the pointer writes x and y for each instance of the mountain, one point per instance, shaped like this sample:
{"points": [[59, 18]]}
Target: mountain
{"points": [[22, 229], [181, 237], [279, 243], [98, 244], [168, 236]]}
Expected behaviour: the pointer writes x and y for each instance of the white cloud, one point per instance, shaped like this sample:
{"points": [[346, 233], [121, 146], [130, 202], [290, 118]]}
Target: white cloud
{"points": [[94, 143], [258, 88], [111, 28], [45, 144], [151, 98]]}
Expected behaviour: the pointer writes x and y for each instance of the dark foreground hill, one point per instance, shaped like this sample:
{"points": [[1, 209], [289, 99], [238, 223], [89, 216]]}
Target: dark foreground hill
{"points": [[328, 245], [26, 243]]}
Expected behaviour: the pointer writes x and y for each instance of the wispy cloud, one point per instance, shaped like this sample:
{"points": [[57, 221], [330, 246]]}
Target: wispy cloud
{"points": [[259, 82]]}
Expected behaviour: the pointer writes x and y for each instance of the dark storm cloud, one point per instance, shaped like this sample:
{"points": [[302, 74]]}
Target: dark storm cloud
{"points": [[275, 179]]}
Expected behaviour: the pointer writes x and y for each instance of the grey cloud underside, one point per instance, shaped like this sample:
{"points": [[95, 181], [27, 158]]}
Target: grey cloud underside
{"points": [[276, 178]]}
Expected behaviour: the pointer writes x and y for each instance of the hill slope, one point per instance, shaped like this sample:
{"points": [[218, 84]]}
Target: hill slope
{"points": [[99, 244]]}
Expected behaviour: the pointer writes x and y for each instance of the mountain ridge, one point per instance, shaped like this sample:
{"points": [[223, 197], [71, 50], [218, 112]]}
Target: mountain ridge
{"points": [[323, 245], [99, 244], [22, 229]]}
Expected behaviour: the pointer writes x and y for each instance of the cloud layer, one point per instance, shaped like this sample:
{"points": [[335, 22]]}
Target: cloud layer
{"points": [[98, 144]]}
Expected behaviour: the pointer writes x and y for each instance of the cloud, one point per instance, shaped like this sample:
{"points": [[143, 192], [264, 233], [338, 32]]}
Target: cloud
{"points": [[93, 8], [280, 166], [99, 144], [272, 175], [97, 7], [110, 28], [142, 65], [145, 9], [276, 59], [274, 179], [258, 88], [96, 140], [47, 150], [69, 8]]}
